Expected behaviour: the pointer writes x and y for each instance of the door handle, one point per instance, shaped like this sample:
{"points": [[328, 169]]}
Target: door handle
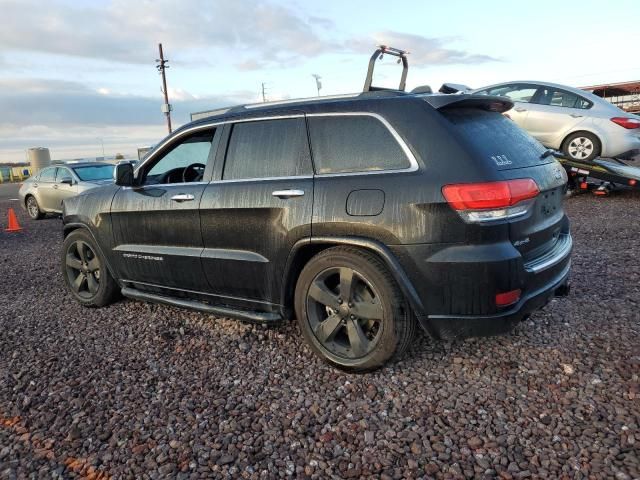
{"points": [[55, 186], [520, 109], [575, 115], [284, 194], [183, 197]]}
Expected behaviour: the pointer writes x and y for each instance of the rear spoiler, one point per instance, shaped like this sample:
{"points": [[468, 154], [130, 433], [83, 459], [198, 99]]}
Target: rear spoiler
{"points": [[485, 102]]}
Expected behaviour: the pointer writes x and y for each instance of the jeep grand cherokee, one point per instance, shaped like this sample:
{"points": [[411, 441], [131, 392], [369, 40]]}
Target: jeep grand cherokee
{"points": [[364, 216]]}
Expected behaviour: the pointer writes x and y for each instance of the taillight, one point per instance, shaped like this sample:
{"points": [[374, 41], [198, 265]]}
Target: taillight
{"points": [[485, 202], [626, 122]]}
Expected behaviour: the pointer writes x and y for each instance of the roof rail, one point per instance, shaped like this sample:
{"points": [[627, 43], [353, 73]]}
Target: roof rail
{"points": [[275, 103], [379, 53]]}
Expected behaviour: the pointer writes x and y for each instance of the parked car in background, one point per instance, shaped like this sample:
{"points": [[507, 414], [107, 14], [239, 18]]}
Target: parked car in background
{"points": [[44, 192], [362, 215], [582, 125]]}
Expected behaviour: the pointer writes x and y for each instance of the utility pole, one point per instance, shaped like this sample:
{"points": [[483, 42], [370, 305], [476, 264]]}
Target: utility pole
{"points": [[162, 66], [264, 91], [318, 82]]}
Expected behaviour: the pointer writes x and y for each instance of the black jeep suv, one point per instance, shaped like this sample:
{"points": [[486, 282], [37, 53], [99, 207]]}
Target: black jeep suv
{"points": [[362, 215]]}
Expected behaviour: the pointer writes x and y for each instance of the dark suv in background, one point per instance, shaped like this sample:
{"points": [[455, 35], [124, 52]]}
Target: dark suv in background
{"points": [[362, 215]]}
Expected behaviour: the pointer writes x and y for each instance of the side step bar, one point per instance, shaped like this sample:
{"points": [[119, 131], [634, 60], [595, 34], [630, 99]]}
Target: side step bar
{"points": [[250, 316]]}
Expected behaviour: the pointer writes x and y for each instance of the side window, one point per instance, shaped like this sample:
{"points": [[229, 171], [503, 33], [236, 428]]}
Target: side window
{"points": [[190, 151], [268, 148], [354, 143], [63, 174], [47, 175], [515, 92], [561, 98], [583, 103]]}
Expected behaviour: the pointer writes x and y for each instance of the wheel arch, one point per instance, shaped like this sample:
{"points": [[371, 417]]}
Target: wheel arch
{"points": [[26, 198], [305, 249], [582, 130], [71, 227]]}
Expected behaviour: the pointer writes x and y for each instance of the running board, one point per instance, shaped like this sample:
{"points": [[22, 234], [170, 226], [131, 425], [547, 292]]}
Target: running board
{"points": [[247, 315]]}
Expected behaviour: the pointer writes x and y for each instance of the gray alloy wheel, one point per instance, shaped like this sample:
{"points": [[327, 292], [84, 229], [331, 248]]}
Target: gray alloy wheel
{"points": [[344, 312], [351, 311], [83, 269], [33, 209], [582, 146]]}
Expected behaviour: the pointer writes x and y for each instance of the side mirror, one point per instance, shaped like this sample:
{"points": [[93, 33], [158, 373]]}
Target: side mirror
{"points": [[123, 174], [67, 181]]}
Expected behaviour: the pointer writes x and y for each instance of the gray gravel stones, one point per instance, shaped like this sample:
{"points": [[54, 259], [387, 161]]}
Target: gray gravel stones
{"points": [[146, 391]]}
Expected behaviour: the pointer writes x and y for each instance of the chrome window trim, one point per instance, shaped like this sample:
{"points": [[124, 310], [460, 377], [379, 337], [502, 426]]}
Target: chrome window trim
{"points": [[162, 185], [413, 161], [266, 179], [169, 139]]}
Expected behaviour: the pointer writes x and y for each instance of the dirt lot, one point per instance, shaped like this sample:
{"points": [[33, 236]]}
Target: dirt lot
{"points": [[146, 391]]}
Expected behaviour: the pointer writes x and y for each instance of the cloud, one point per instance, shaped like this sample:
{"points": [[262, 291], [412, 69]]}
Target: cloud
{"points": [[252, 35], [69, 116], [126, 31], [424, 51], [57, 102]]}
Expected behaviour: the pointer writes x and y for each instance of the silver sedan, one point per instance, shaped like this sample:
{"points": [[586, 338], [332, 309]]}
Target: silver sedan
{"points": [[579, 123], [44, 192]]}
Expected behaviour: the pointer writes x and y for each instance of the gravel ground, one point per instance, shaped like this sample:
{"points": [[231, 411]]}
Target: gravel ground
{"points": [[146, 391]]}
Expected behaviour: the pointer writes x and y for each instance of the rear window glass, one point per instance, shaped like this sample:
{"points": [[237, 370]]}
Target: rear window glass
{"points": [[354, 143], [496, 138]]}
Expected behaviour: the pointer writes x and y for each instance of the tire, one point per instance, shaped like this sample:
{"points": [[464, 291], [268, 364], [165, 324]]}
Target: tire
{"points": [[85, 272], [582, 146], [362, 332], [33, 209]]}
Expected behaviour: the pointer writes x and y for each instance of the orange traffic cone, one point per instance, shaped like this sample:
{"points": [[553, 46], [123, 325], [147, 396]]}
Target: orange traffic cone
{"points": [[13, 226]]}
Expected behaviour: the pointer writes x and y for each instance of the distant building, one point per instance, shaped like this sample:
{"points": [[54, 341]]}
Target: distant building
{"points": [[625, 95]]}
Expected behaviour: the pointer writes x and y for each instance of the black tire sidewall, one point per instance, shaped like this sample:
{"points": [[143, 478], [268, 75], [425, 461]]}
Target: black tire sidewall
{"points": [[389, 298], [104, 295], [597, 146]]}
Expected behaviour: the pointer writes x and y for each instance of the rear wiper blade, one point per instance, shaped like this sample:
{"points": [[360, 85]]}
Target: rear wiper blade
{"points": [[548, 153]]}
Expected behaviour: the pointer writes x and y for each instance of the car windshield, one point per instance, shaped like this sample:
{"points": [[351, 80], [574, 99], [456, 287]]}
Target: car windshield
{"points": [[94, 172]]}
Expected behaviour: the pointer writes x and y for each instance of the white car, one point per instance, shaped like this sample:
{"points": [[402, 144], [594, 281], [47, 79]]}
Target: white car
{"points": [[579, 123]]}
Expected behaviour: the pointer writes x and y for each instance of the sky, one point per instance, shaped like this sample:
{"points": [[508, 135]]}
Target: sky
{"points": [[79, 76]]}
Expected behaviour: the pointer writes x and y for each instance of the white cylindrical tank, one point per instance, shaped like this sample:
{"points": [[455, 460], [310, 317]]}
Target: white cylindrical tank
{"points": [[39, 157]]}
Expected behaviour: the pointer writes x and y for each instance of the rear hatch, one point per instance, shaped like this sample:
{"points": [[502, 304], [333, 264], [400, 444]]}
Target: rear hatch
{"points": [[514, 154]]}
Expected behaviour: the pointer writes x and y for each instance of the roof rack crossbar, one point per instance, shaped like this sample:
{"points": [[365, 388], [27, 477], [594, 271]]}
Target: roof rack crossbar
{"points": [[380, 51]]}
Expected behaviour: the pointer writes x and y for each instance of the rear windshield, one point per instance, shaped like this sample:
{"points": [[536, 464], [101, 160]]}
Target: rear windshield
{"points": [[94, 172], [496, 138]]}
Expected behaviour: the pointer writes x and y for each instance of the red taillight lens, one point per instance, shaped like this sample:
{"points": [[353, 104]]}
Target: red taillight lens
{"points": [[632, 182], [626, 122], [481, 196], [508, 298]]}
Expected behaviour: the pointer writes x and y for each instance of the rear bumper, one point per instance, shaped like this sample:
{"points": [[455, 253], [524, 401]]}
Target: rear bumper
{"points": [[456, 326], [457, 284]]}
